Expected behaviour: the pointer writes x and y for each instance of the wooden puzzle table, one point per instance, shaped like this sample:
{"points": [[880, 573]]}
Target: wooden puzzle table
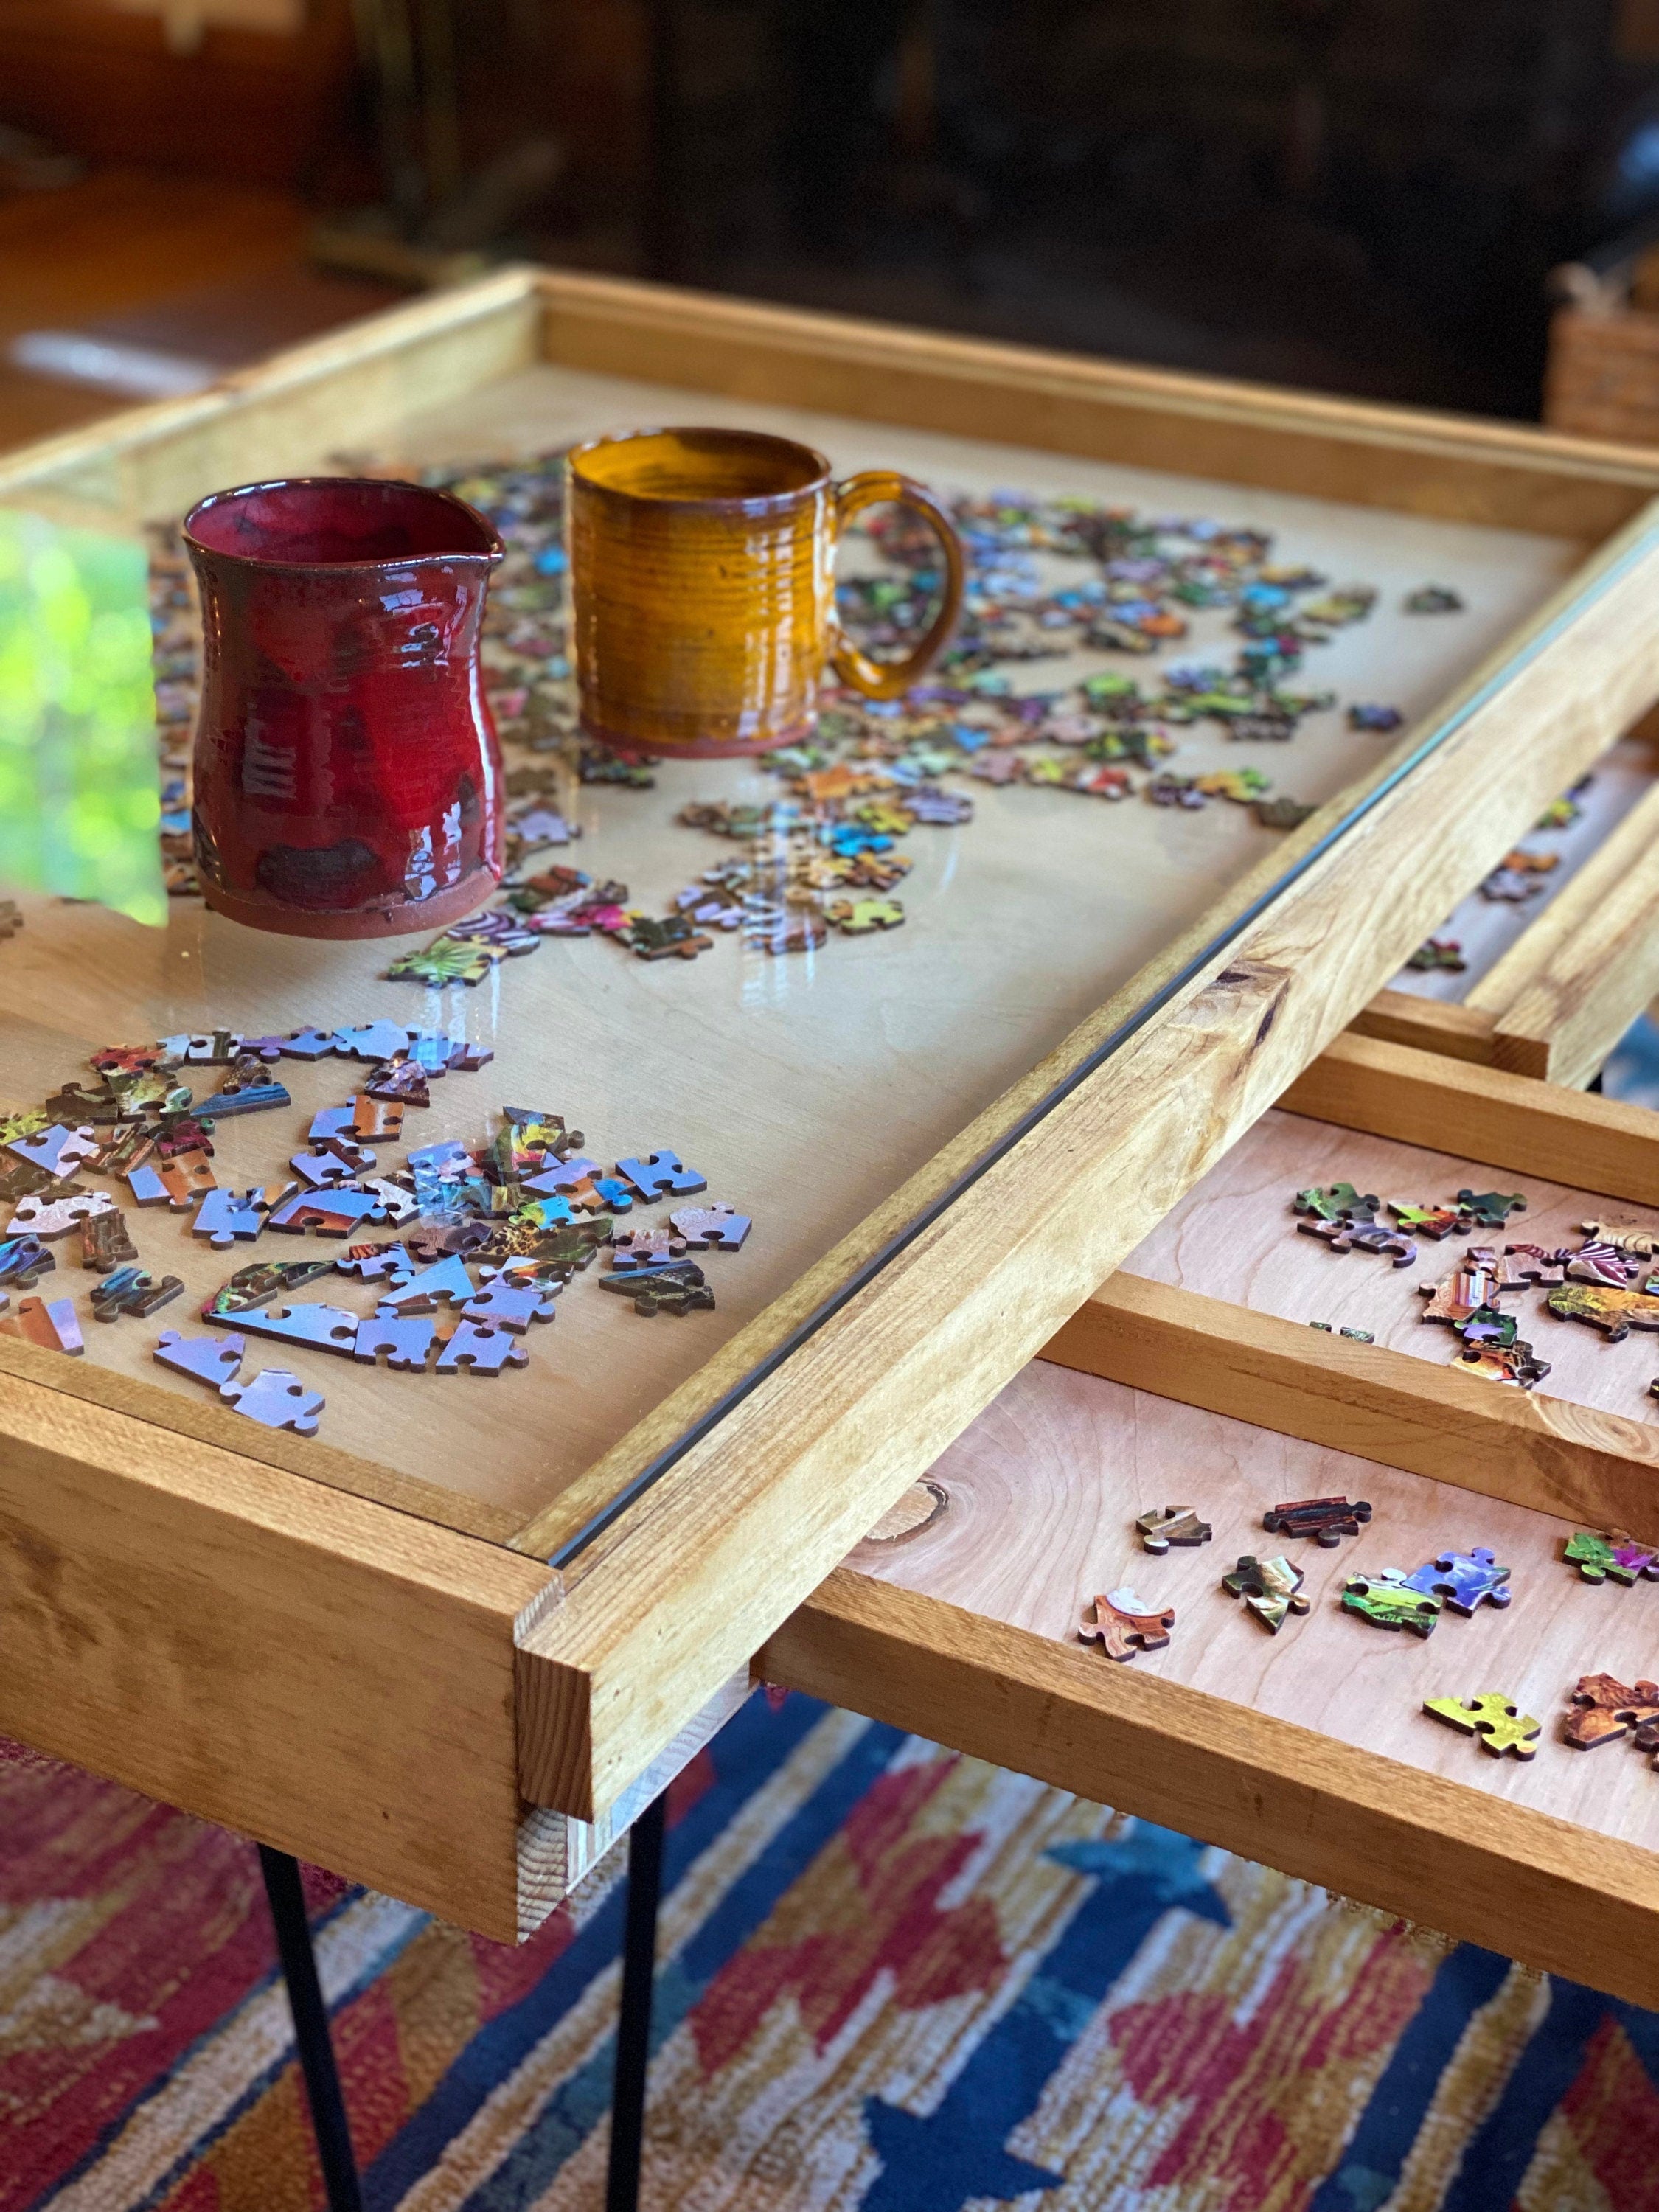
{"points": [[453, 1643]]}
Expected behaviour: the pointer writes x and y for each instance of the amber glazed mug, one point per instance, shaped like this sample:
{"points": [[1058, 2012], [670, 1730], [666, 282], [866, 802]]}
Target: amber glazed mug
{"points": [[703, 588]]}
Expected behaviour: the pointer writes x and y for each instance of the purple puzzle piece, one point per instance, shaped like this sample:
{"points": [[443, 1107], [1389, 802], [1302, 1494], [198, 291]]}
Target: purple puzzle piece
{"points": [[278, 1399], [504, 1305], [445, 1279], [481, 1350], [212, 1360], [406, 1340], [307, 1321], [661, 1175]]}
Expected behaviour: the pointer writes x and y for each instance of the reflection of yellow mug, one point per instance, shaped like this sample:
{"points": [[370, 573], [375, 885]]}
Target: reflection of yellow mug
{"points": [[703, 588]]}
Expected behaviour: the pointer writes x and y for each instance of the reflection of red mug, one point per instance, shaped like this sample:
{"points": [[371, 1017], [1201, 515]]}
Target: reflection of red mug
{"points": [[347, 780]]}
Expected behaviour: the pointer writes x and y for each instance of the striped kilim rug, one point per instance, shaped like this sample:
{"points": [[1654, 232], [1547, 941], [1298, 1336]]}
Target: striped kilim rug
{"points": [[892, 1979]]}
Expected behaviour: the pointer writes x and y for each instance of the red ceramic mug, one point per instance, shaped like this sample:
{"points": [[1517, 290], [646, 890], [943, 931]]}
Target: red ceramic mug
{"points": [[348, 781]]}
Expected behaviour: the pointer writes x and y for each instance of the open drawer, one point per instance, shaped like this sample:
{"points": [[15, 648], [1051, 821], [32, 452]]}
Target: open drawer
{"points": [[1194, 1379], [1549, 962], [445, 1644]]}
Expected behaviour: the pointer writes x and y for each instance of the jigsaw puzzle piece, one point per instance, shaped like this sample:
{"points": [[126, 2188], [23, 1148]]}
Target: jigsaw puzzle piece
{"points": [[222, 1216], [57, 1150], [1491, 1209], [400, 1081], [1271, 1589], [1121, 1624], [1338, 1202], [23, 1260], [1389, 1599], [213, 1360], [564, 1174], [52, 1217], [372, 1119], [51, 1324], [661, 1175], [1326, 1520], [332, 1121], [477, 1350], [1172, 1524], [278, 1400], [252, 1099], [1495, 1724], [677, 1286], [261, 1282], [376, 1041], [325, 1327], [406, 1340], [133, 1290], [185, 1177], [717, 1225], [446, 1279], [641, 1248], [1603, 1709], [1600, 1553], [1463, 1580], [504, 1303], [321, 1170], [329, 1213], [377, 1263], [105, 1243]]}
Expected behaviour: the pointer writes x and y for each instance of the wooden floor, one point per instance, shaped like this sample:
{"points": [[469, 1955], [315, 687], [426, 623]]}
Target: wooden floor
{"points": [[208, 270]]}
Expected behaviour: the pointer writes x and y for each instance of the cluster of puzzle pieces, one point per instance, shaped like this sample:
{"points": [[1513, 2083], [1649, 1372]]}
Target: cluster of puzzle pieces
{"points": [[486, 1235], [1124, 1625]]}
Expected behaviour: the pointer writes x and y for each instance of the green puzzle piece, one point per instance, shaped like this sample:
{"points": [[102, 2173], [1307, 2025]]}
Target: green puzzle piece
{"points": [[451, 960], [1389, 1601]]}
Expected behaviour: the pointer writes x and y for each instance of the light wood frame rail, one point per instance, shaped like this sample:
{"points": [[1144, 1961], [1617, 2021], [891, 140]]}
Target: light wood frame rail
{"points": [[238, 1599]]}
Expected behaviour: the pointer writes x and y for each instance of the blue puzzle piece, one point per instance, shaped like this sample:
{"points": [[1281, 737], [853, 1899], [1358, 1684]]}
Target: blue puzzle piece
{"points": [[212, 1360], [222, 1216], [327, 1328], [258, 1098], [1462, 1579], [446, 1278], [278, 1399], [662, 1175]]}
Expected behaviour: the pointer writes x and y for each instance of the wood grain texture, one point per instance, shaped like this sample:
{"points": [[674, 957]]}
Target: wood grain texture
{"points": [[1233, 1236], [1564, 995], [1597, 1468], [263, 1651], [1487, 1868], [1239, 433], [1509, 1121], [1427, 1025]]}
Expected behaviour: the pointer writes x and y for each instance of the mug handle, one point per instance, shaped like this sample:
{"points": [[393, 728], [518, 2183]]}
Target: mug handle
{"points": [[880, 488]]}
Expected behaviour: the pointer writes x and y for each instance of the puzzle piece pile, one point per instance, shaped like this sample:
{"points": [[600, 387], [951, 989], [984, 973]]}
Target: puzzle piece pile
{"points": [[1609, 1280], [1600, 1709], [475, 1243]]}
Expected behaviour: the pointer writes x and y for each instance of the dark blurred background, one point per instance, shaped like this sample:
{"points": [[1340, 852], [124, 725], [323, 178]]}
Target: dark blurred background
{"points": [[1364, 197]]}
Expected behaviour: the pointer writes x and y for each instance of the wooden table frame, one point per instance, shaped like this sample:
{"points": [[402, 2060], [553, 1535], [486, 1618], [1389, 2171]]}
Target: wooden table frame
{"points": [[1483, 1869], [349, 1664]]}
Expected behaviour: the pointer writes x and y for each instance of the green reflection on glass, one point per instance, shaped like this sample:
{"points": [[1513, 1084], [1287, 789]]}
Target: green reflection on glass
{"points": [[80, 800]]}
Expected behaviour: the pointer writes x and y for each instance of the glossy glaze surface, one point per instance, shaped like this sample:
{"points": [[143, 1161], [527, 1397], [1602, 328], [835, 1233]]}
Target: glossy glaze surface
{"points": [[347, 780], [703, 567]]}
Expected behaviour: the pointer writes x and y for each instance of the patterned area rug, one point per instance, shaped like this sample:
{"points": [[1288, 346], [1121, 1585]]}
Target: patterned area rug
{"points": [[892, 1979]]}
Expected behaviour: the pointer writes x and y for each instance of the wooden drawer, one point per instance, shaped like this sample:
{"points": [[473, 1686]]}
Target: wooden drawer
{"points": [[446, 1645], [1551, 984], [1194, 1379]]}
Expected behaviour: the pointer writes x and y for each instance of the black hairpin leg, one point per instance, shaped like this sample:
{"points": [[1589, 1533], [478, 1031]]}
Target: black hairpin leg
{"points": [[316, 2045], [622, 2192]]}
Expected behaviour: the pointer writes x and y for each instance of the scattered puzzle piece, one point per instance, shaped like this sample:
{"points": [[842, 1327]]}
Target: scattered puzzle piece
{"points": [[857, 917], [677, 1286], [252, 1099], [23, 1260], [1363, 1237], [1432, 1221], [260, 1283], [475, 1350], [1389, 1599], [1326, 1520], [1496, 1724], [451, 960], [58, 1151], [1339, 1202], [510, 1305], [378, 1263], [1514, 1363], [406, 1340], [222, 1216], [372, 1119], [402, 1081], [1599, 1553], [376, 1041], [1173, 1524], [331, 1213], [1463, 1580], [1270, 1588], [1442, 952], [185, 1177], [1624, 1237], [1491, 1209], [661, 1175], [1616, 1312], [105, 1243], [326, 1328], [447, 1280], [133, 1290], [639, 1247], [1121, 1624], [213, 1360], [277, 1399], [1470, 1287], [718, 1226], [52, 1217], [51, 1324], [1603, 1709]]}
